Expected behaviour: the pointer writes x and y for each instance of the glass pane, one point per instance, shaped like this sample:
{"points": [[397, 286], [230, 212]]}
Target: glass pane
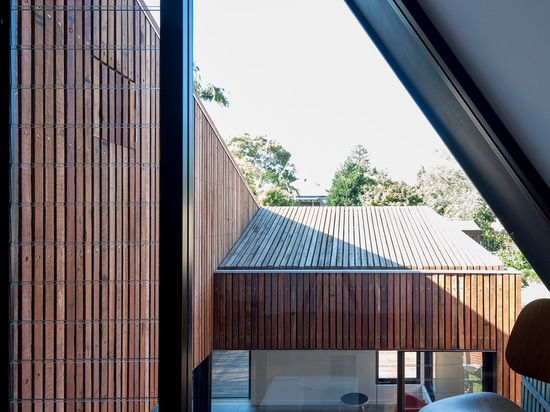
{"points": [[230, 374], [387, 365], [315, 380], [456, 373], [472, 363], [411, 370]]}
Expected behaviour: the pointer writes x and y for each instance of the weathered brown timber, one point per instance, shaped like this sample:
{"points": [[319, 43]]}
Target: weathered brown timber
{"points": [[356, 238], [84, 279], [242, 319], [364, 279], [224, 206], [84, 283]]}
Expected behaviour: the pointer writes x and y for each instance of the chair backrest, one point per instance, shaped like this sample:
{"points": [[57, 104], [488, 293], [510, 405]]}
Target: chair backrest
{"points": [[528, 348]]}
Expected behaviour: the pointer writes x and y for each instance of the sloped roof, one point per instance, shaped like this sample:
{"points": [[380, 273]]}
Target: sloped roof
{"points": [[386, 238]]}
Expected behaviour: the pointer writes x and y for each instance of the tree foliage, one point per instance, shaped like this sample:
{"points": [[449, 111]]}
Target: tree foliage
{"points": [[357, 182], [276, 197], [446, 188], [266, 167], [348, 184], [208, 92], [388, 192]]}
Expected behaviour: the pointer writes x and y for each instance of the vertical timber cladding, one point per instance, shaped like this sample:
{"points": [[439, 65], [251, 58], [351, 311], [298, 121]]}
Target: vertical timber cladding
{"points": [[84, 279], [224, 206], [369, 311]]}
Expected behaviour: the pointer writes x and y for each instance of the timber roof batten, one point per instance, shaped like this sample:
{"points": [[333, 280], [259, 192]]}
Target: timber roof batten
{"points": [[356, 238]]}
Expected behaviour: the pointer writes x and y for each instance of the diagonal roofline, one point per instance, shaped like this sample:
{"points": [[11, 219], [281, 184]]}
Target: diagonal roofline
{"points": [[477, 134]]}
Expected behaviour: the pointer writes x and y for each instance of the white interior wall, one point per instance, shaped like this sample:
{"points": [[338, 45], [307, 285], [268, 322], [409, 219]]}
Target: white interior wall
{"points": [[284, 377]]}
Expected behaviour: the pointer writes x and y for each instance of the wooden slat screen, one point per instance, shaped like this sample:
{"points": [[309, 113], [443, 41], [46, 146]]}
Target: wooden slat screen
{"points": [[84, 241], [224, 206], [535, 395], [369, 311], [356, 237]]}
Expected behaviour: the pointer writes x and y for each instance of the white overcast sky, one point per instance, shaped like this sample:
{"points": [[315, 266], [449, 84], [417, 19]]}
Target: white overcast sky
{"points": [[304, 73]]}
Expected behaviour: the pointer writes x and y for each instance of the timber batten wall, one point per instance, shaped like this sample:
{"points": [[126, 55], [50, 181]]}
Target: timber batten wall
{"points": [[85, 198], [411, 294], [84, 246], [369, 311], [224, 205]]}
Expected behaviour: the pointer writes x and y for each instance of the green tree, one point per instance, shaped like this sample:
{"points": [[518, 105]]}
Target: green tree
{"points": [[357, 182], [493, 239], [276, 197], [266, 167], [348, 183], [209, 92]]}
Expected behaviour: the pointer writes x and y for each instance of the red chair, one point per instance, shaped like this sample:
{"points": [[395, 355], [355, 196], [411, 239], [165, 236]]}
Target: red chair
{"points": [[412, 403]]}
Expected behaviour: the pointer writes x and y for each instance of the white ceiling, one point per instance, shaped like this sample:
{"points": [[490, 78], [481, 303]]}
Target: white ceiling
{"points": [[505, 47]]}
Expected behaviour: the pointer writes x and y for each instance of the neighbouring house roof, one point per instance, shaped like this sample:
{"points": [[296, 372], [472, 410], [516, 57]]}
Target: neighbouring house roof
{"points": [[466, 225], [310, 200], [385, 238]]}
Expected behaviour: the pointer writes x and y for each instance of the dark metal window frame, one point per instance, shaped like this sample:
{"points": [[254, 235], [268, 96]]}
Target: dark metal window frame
{"points": [[176, 206], [394, 381]]}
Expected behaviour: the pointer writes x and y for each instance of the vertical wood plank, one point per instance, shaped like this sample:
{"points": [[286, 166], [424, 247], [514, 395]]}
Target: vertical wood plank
{"points": [[384, 303], [365, 297], [371, 311], [292, 315], [254, 320], [405, 307], [301, 311], [351, 308], [261, 310], [421, 312], [321, 284], [335, 305], [469, 329], [429, 313], [38, 212], [268, 311], [480, 313], [309, 301], [502, 377], [410, 311], [60, 189], [453, 311], [23, 334], [358, 305]]}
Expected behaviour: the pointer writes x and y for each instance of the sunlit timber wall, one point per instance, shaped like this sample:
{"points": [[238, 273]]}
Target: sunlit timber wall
{"points": [[84, 190], [224, 205], [370, 311]]}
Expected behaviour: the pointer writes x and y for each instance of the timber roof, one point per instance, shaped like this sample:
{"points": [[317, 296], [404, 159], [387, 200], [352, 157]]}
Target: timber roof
{"points": [[351, 238]]}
